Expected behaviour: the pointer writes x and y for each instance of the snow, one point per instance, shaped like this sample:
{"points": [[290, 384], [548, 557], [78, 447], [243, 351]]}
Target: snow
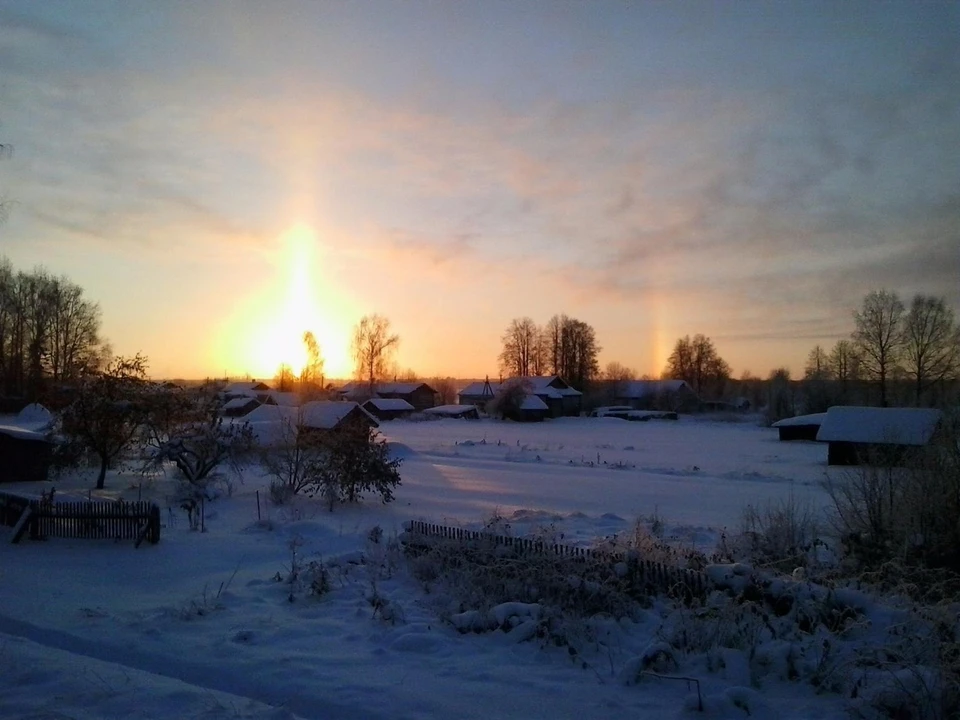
{"points": [[239, 402], [799, 420], [393, 404], [22, 433], [532, 402], [899, 426], [35, 415], [198, 626], [449, 410]]}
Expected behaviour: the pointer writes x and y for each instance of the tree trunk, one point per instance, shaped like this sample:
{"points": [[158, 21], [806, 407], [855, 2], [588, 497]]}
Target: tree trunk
{"points": [[103, 472]]}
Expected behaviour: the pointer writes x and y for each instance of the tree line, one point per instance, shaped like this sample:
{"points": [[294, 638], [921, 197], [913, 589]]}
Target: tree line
{"points": [[892, 346], [49, 332], [563, 346]]}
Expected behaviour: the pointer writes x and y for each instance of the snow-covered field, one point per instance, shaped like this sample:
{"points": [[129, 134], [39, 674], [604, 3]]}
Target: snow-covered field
{"points": [[198, 626]]}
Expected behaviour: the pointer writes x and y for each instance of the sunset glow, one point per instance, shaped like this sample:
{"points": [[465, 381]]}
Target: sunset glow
{"points": [[268, 332], [233, 175]]}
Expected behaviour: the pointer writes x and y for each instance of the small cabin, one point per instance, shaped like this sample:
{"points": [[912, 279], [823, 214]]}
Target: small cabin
{"points": [[801, 427], [876, 436], [465, 412], [388, 408]]}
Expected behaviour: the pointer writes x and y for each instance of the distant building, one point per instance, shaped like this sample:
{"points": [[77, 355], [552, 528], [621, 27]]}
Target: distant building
{"points": [[466, 412], [240, 406], [552, 390], [388, 408], [876, 436], [674, 395], [801, 427], [420, 395]]}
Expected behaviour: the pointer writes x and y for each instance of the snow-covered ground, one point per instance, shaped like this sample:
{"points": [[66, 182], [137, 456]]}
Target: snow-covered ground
{"points": [[198, 626]]}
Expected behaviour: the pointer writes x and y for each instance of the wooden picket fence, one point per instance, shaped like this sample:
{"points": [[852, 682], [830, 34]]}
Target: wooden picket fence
{"points": [[100, 520], [645, 576]]}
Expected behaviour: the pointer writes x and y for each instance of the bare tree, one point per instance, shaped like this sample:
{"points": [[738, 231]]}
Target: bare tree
{"points": [[373, 347], [311, 376], [818, 364], [931, 343], [446, 388], [571, 350], [879, 338], [107, 415], [698, 363], [284, 378], [617, 377], [844, 365], [520, 343]]}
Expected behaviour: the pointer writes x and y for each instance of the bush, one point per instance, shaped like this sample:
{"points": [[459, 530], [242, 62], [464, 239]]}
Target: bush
{"points": [[908, 514], [339, 466]]}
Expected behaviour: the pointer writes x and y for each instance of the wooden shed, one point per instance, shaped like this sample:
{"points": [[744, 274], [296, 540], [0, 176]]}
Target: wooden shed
{"points": [[25, 455], [388, 408], [801, 427], [466, 412], [879, 436]]}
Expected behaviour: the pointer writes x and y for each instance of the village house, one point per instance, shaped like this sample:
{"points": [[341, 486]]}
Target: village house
{"points": [[25, 455], [674, 395], [388, 408], [553, 391], [420, 395]]}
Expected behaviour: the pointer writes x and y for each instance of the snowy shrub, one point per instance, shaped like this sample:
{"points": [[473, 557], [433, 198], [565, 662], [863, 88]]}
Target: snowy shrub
{"points": [[782, 534], [339, 466], [908, 514]]}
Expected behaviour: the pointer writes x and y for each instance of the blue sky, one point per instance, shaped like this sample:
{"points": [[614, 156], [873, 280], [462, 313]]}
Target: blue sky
{"points": [[745, 170]]}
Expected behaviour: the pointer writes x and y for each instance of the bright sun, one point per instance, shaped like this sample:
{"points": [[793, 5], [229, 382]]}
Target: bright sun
{"points": [[298, 301]]}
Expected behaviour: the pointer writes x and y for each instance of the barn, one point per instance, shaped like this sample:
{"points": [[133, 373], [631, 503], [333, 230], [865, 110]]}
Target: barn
{"points": [[801, 427], [879, 436], [388, 408], [25, 455]]}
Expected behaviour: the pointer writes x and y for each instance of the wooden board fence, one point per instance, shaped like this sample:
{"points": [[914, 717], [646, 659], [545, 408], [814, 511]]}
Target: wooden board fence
{"points": [[645, 575], [100, 520]]}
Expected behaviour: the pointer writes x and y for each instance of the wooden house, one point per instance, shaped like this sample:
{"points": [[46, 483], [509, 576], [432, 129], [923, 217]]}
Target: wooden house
{"points": [[552, 390], [25, 455], [239, 406], [876, 436], [801, 427], [388, 408], [420, 395], [672, 395]]}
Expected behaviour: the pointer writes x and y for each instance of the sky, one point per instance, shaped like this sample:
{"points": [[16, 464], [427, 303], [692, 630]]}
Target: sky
{"points": [[221, 176]]}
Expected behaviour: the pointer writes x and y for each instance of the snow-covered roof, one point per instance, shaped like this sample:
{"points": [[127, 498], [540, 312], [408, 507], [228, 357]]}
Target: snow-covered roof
{"points": [[22, 433], [35, 413], [890, 426], [248, 386], [450, 410], [239, 402], [811, 419], [636, 389], [532, 402], [476, 389], [393, 388], [538, 385], [290, 399], [390, 404]]}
